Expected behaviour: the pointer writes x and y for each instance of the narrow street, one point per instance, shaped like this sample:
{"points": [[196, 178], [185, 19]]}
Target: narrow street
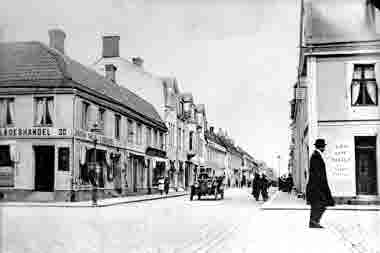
{"points": [[235, 224]]}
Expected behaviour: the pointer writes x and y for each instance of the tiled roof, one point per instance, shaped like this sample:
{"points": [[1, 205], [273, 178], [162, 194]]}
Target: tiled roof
{"points": [[329, 21], [35, 61]]}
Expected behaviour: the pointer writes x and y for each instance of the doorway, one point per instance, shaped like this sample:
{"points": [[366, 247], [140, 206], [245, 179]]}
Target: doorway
{"points": [[44, 168], [366, 169]]}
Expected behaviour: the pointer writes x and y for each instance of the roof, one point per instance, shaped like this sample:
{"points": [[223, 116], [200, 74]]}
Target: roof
{"points": [[22, 61], [329, 21]]}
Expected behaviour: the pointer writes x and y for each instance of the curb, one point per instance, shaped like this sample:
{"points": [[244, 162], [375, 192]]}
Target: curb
{"points": [[90, 205], [375, 209]]}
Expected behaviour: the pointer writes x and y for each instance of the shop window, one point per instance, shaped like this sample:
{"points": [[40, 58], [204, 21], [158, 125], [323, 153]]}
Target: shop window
{"points": [[85, 115], [44, 109], [364, 86], [5, 156], [7, 111], [117, 126], [64, 159]]}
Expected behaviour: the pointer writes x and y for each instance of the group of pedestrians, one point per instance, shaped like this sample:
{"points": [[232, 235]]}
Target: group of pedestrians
{"points": [[260, 185]]}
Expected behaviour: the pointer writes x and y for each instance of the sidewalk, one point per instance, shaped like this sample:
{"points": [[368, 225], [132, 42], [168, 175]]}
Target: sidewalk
{"points": [[101, 202], [285, 201]]}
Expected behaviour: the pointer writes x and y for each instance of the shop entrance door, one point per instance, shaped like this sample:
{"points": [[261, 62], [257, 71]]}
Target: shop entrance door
{"points": [[44, 168], [366, 176]]}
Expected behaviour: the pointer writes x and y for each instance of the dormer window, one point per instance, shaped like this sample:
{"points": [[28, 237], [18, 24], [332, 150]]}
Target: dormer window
{"points": [[364, 86]]}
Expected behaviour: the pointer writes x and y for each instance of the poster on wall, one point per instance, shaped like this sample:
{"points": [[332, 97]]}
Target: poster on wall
{"points": [[340, 168]]}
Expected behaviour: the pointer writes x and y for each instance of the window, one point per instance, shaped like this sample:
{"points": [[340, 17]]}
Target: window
{"points": [[64, 159], [7, 111], [85, 115], [364, 86], [101, 119], [191, 140], [183, 139], [44, 108], [130, 131], [161, 140], [139, 134], [148, 136], [117, 126], [155, 138], [5, 156]]}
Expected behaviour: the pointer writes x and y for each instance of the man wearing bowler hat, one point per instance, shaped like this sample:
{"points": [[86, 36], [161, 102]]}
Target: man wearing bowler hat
{"points": [[318, 193]]}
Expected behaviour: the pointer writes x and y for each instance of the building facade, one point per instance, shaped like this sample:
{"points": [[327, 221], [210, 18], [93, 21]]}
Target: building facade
{"points": [[215, 154], [337, 98], [60, 121]]}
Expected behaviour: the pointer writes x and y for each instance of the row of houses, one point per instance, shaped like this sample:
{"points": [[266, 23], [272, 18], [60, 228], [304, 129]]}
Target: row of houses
{"points": [[60, 121], [336, 97]]}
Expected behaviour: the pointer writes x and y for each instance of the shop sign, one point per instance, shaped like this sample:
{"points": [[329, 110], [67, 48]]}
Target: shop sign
{"points": [[6, 177], [341, 169], [155, 152], [34, 132], [92, 136]]}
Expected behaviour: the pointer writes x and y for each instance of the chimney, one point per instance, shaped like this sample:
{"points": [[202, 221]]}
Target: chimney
{"points": [[57, 40], [138, 61], [111, 46], [111, 72]]}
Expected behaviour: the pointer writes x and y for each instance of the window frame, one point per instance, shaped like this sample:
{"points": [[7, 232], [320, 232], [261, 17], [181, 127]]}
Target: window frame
{"points": [[363, 83], [7, 102], [45, 99], [101, 119], [130, 131], [117, 127], [85, 115]]}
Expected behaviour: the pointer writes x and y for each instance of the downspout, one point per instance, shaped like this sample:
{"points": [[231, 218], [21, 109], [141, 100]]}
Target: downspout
{"points": [[73, 191]]}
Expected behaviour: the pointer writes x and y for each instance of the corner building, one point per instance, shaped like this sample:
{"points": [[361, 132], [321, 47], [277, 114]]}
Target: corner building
{"points": [[49, 141]]}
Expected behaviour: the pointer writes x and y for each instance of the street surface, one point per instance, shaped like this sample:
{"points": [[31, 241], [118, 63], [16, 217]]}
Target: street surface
{"points": [[235, 224]]}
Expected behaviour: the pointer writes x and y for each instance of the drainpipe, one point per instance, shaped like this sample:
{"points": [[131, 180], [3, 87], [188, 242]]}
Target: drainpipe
{"points": [[73, 191]]}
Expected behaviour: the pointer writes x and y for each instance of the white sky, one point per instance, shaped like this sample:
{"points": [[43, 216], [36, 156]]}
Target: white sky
{"points": [[238, 57]]}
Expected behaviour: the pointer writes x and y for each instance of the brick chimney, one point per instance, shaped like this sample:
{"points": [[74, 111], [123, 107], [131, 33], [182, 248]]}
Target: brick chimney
{"points": [[110, 46], [137, 61], [57, 40], [111, 72]]}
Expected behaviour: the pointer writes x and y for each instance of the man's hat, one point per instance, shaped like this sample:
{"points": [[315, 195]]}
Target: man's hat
{"points": [[320, 143]]}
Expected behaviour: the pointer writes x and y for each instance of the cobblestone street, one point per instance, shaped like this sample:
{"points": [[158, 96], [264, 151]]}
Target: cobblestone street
{"points": [[235, 224]]}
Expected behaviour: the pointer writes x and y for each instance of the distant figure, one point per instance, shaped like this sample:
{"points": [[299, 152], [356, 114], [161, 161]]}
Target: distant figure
{"points": [[256, 186], [318, 193], [166, 185], [264, 184], [161, 183]]}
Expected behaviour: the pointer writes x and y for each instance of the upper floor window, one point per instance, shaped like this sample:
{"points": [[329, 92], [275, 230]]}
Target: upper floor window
{"points": [[161, 141], [179, 142], [155, 138], [148, 136], [85, 115], [101, 118], [130, 130], [139, 134], [44, 108], [191, 140], [117, 126], [7, 111], [364, 86]]}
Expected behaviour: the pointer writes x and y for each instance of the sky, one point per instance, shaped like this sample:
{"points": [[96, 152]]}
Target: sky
{"points": [[238, 57]]}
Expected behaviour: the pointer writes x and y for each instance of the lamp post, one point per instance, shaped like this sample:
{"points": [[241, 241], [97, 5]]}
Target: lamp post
{"points": [[95, 129], [279, 173]]}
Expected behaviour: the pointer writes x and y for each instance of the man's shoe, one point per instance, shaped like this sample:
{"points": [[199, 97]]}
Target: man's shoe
{"points": [[315, 225]]}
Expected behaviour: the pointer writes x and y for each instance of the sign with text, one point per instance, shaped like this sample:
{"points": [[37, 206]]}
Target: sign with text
{"points": [[341, 168], [34, 132], [92, 136]]}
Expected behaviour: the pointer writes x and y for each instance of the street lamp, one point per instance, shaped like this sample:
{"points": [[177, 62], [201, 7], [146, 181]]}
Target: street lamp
{"points": [[279, 173], [95, 129]]}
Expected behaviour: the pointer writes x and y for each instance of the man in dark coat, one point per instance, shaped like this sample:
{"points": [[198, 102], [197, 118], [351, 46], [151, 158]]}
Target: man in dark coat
{"points": [[318, 193], [256, 186]]}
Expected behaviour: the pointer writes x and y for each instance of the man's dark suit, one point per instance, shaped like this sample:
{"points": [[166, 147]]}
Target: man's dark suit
{"points": [[318, 193]]}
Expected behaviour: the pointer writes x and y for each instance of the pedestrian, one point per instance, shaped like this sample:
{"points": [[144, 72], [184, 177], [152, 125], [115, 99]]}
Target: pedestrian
{"points": [[264, 184], [256, 186], [161, 182], [289, 183], [318, 193], [166, 185]]}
